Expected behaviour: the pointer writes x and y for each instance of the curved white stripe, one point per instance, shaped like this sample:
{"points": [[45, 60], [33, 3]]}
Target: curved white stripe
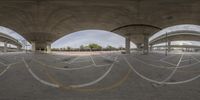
{"points": [[158, 82], [57, 68], [3, 63], [68, 69], [5, 70], [8, 66], [167, 63], [97, 80], [37, 78], [174, 71]]}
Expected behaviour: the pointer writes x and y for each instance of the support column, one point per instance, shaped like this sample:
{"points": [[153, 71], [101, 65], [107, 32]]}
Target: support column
{"points": [[146, 45], [48, 47], [151, 47], [33, 46], [5, 46], [127, 44], [18, 48], [169, 46], [138, 45]]}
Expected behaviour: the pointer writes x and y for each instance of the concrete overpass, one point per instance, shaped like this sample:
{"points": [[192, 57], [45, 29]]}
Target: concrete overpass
{"points": [[181, 46], [183, 35], [43, 22], [8, 39]]}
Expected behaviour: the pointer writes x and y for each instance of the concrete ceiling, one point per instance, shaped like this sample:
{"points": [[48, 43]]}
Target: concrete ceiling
{"points": [[48, 20]]}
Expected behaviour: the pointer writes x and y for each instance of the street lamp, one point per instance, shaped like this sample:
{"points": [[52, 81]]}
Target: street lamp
{"points": [[166, 45]]}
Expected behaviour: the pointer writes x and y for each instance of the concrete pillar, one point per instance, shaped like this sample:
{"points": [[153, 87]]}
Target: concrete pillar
{"points": [[127, 44], [18, 48], [169, 46], [5, 46], [48, 47], [33, 46], [138, 45], [146, 45], [151, 47]]}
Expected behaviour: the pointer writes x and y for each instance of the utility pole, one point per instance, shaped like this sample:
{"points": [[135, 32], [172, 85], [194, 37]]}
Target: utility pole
{"points": [[166, 45]]}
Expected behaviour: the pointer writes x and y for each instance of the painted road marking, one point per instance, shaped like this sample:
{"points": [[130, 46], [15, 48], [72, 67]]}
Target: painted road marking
{"points": [[92, 60], [97, 80], [174, 71], [60, 68], [73, 86], [8, 66], [37, 78], [167, 57], [158, 82], [70, 62]]}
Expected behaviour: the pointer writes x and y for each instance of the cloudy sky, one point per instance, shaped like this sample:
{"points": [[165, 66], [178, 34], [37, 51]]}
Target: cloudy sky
{"points": [[14, 35], [188, 27], [103, 38]]}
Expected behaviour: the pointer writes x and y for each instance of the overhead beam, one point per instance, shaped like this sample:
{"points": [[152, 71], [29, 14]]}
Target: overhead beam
{"points": [[136, 25]]}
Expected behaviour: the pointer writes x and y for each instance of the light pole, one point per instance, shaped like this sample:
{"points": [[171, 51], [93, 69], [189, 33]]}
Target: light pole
{"points": [[166, 45]]}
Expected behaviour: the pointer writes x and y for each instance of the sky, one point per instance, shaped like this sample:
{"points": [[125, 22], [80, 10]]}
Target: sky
{"points": [[188, 27], [12, 34], [101, 37]]}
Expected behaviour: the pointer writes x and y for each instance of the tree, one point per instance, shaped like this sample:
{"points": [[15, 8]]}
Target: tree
{"points": [[109, 47], [69, 48], [94, 46], [82, 47], [121, 48]]}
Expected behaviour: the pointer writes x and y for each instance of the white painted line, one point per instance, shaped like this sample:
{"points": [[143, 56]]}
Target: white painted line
{"points": [[159, 82], [92, 60], [107, 58], [68, 69], [157, 66], [143, 77], [3, 63], [82, 61], [168, 63], [70, 62], [180, 60], [190, 65], [167, 57], [57, 68], [95, 81], [5, 70], [185, 60], [103, 65], [37, 78], [174, 71], [195, 58]]}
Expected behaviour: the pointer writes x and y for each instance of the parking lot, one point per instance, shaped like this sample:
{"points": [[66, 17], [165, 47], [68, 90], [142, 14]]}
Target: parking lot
{"points": [[112, 76]]}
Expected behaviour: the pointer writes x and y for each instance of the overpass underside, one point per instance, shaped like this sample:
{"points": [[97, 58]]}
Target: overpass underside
{"points": [[99, 75], [46, 21]]}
